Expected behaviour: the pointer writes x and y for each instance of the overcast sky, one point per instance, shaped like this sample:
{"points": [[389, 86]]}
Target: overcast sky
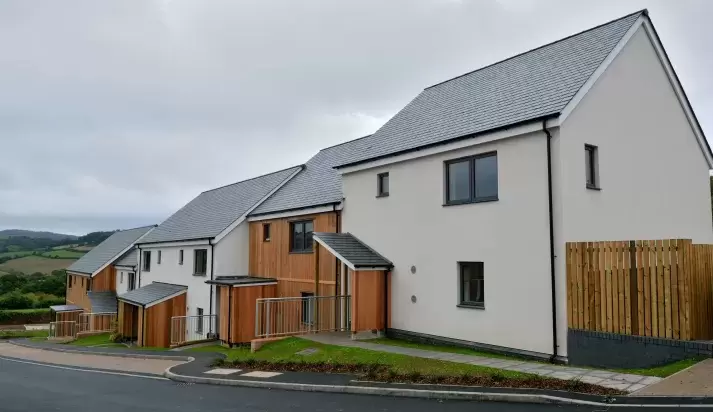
{"points": [[114, 114]]}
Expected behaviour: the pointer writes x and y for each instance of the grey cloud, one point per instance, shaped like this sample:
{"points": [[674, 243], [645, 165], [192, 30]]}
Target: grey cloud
{"points": [[118, 112]]}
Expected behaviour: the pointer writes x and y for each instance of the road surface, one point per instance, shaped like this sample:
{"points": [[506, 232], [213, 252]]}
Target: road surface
{"points": [[25, 386]]}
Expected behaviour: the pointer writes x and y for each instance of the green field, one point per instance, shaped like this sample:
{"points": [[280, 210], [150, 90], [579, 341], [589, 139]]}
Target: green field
{"points": [[32, 264], [64, 254], [22, 253]]}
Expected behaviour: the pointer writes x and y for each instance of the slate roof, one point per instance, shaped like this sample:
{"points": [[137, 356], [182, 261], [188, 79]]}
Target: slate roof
{"points": [[239, 280], [151, 293], [526, 87], [102, 302], [353, 250], [130, 258], [214, 210], [66, 308], [318, 184], [107, 251]]}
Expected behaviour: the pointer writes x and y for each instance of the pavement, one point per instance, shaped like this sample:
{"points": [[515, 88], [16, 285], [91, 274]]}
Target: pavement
{"points": [[43, 388], [620, 381], [694, 381]]}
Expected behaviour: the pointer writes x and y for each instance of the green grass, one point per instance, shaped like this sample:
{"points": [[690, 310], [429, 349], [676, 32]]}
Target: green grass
{"points": [[32, 264], [92, 340], [7, 334], [439, 348], [34, 310], [285, 351], [664, 370], [64, 254], [18, 254]]}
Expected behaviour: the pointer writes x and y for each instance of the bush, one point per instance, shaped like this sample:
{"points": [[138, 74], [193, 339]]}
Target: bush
{"points": [[10, 317], [16, 300]]}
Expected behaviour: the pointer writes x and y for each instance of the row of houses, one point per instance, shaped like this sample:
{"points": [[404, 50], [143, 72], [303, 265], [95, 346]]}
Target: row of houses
{"points": [[449, 223]]}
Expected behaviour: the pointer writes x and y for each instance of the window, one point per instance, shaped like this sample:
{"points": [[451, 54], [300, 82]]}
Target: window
{"points": [[472, 284], [121, 279], [199, 312], [87, 284], [382, 184], [180, 257], [266, 232], [146, 261], [158, 258], [301, 240], [82, 282], [132, 281], [472, 179], [591, 164], [307, 308], [200, 262]]}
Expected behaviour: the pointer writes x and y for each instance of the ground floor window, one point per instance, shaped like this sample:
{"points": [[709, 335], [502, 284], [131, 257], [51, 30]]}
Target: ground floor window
{"points": [[199, 312], [132, 280], [307, 308], [472, 284]]}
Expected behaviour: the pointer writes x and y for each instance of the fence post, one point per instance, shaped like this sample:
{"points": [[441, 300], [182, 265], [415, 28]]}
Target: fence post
{"points": [[267, 318], [633, 289], [257, 320]]}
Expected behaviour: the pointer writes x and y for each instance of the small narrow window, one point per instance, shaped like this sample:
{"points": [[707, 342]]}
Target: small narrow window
{"points": [[158, 258], [199, 320], [82, 282], [121, 279], [307, 308], [591, 166], [200, 262], [472, 284], [132, 281], [88, 284], [180, 257], [266, 232], [146, 261], [382, 184]]}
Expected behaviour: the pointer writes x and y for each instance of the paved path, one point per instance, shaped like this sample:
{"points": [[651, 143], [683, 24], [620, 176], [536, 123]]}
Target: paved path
{"points": [[150, 366], [35, 388], [694, 381], [620, 381]]}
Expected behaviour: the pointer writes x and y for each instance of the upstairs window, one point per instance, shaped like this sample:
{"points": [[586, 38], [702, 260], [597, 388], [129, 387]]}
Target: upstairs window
{"points": [[158, 258], [472, 179], [301, 239], [266, 232], [382, 184], [591, 164], [200, 262], [180, 257], [146, 261]]}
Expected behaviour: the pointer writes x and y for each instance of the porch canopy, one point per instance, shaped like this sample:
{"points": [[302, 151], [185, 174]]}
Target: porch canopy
{"points": [[366, 280], [103, 302], [152, 294], [66, 308], [352, 252]]}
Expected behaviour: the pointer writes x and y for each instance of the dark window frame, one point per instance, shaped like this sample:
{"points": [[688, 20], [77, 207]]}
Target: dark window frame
{"points": [[305, 248], [591, 174], [461, 289], [146, 261], [195, 262], [380, 192], [131, 280], [266, 228], [199, 314], [180, 256], [472, 198]]}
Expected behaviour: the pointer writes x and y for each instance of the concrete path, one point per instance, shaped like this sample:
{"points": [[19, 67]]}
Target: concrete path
{"points": [[620, 381], [694, 381], [149, 366]]}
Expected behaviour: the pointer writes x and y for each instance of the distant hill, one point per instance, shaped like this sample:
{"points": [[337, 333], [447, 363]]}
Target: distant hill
{"points": [[35, 235]]}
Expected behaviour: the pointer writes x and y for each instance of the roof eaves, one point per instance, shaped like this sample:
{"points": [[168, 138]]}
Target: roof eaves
{"points": [[293, 209]]}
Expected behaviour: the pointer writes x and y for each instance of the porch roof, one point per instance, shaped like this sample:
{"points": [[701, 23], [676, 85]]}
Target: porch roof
{"points": [[352, 251], [152, 293], [240, 281], [102, 302], [66, 308]]}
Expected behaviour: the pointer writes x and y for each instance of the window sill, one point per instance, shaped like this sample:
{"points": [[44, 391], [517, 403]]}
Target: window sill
{"points": [[591, 187], [307, 252], [266, 240], [199, 274], [467, 306], [382, 195], [467, 202]]}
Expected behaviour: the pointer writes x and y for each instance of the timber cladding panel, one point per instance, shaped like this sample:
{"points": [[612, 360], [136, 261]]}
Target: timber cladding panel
{"points": [[294, 271], [659, 288], [240, 303], [368, 300], [157, 321], [77, 291], [128, 320], [105, 280]]}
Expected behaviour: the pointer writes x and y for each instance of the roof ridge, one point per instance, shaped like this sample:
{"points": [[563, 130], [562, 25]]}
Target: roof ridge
{"points": [[134, 228], [339, 144], [642, 11], [255, 177]]}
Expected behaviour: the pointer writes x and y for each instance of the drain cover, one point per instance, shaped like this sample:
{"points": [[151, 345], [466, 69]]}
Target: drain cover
{"points": [[308, 351]]}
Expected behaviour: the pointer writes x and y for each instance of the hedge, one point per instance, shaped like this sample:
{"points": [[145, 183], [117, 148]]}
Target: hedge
{"points": [[24, 317]]}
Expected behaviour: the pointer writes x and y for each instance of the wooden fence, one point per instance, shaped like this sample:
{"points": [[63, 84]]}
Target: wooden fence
{"points": [[659, 288]]}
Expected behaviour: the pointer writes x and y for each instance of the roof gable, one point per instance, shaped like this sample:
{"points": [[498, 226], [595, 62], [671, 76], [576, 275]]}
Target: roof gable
{"points": [[108, 250], [530, 86], [213, 211]]}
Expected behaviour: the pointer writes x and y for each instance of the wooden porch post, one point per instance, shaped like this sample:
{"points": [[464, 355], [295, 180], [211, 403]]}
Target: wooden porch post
{"points": [[316, 285]]}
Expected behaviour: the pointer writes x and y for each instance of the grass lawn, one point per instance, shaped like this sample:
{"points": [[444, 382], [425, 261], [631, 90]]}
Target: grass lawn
{"points": [[285, 351], [664, 370], [19, 254], [8, 334], [64, 254], [92, 340], [32, 264]]}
